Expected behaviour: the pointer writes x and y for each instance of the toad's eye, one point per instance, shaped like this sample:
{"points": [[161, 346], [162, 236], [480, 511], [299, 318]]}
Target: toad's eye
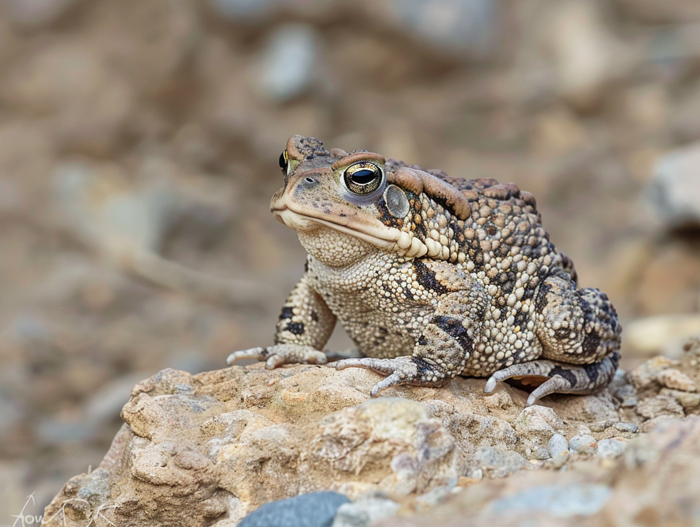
{"points": [[363, 177], [284, 162]]}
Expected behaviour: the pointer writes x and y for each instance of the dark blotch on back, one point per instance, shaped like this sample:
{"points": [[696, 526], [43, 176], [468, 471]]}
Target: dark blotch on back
{"points": [[426, 278]]}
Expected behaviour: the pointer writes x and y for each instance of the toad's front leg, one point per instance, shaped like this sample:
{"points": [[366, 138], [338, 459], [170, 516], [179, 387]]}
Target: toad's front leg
{"points": [[441, 351], [304, 327]]}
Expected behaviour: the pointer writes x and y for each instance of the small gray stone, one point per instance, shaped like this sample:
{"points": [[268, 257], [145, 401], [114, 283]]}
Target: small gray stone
{"points": [[627, 427], [499, 462], [364, 513], [540, 454], [583, 444], [610, 448], [601, 425], [629, 402], [558, 445], [558, 449], [316, 509]]}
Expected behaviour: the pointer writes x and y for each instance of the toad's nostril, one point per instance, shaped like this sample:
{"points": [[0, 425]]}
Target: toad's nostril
{"points": [[309, 180]]}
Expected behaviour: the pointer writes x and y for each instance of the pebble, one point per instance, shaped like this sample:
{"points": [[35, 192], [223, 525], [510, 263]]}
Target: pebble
{"points": [[364, 512], [627, 427], [558, 449], [601, 425], [316, 509], [630, 402], [583, 444], [288, 61], [500, 462], [610, 448]]}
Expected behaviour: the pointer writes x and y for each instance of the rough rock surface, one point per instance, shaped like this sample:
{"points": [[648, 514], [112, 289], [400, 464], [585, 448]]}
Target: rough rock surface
{"points": [[654, 483], [208, 449]]}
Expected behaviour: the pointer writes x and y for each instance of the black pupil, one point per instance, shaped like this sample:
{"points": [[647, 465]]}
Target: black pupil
{"points": [[283, 161], [364, 176]]}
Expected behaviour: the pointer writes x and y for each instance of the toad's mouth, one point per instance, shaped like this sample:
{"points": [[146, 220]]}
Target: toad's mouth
{"points": [[376, 233]]}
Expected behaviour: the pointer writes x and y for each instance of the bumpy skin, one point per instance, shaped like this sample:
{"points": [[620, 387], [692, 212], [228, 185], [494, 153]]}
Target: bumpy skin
{"points": [[434, 276]]}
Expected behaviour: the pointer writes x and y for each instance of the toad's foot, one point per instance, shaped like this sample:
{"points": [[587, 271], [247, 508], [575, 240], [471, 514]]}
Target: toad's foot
{"points": [[280, 354], [401, 370], [559, 377]]}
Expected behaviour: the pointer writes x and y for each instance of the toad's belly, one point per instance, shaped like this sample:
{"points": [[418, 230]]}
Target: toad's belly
{"points": [[382, 333]]}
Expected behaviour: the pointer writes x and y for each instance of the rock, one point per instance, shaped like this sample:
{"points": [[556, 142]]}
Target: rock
{"points": [[686, 400], [316, 509], [660, 405], [583, 444], [627, 427], [288, 66], [535, 426], [644, 376], [629, 402], [559, 450], [226, 442], [610, 448], [263, 436], [673, 194], [499, 462], [656, 473], [676, 380], [364, 512], [36, 13]]}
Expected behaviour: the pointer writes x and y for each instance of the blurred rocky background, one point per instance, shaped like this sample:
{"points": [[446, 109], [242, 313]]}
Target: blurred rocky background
{"points": [[138, 152]]}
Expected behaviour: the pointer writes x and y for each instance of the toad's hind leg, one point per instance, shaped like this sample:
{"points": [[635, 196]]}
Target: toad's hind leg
{"points": [[580, 337], [559, 376]]}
